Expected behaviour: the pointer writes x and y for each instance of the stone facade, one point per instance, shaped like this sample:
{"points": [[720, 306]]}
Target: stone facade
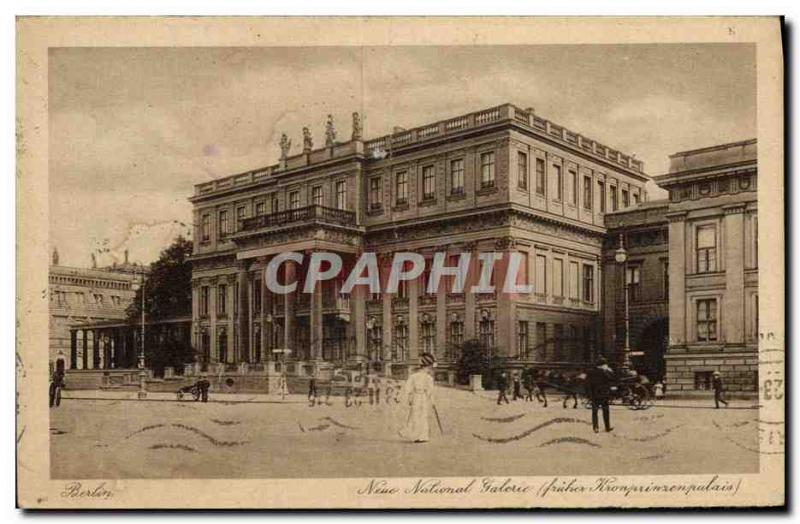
{"points": [[698, 259], [79, 298], [501, 179]]}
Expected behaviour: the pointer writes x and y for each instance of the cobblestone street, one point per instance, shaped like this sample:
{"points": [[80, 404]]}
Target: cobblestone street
{"points": [[132, 439]]}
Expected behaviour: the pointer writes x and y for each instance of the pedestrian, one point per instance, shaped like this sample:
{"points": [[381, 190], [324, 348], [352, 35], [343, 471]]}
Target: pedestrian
{"points": [[373, 388], [540, 385], [203, 385], [719, 389], [502, 386], [517, 387], [658, 390], [56, 384], [527, 383], [312, 387], [570, 384], [418, 390], [598, 389]]}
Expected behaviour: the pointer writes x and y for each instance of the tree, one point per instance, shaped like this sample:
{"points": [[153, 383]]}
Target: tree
{"points": [[473, 360], [168, 295]]}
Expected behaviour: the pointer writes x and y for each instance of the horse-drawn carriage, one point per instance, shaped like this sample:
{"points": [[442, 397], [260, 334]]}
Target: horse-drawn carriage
{"points": [[628, 389]]}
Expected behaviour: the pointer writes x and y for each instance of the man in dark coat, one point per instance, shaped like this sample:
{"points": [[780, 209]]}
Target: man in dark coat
{"points": [[598, 389], [203, 385], [719, 388], [56, 384], [517, 387], [502, 386]]}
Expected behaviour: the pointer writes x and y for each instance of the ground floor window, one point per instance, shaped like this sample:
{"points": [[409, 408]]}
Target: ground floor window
{"points": [[486, 333], [399, 348], [456, 337], [428, 335], [707, 320], [702, 380], [522, 339]]}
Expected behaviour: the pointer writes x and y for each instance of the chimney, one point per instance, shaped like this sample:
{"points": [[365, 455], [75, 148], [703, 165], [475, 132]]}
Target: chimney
{"points": [[126, 257]]}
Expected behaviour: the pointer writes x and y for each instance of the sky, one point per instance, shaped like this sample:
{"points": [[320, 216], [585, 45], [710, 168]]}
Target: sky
{"points": [[132, 130]]}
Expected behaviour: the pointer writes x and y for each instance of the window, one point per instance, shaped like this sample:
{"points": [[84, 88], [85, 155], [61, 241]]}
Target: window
{"points": [[294, 200], [376, 342], [706, 249], [573, 280], [401, 188], [601, 186], [204, 301], [256, 295], [614, 201], [633, 279], [559, 183], [375, 193], [316, 195], [558, 277], [400, 342], [541, 341], [636, 198], [457, 176], [522, 339], [588, 283], [587, 192], [522, 170], [456, 333], [486, 333], [707, 320], [341, 194], [540, 176], [241, 214], [558, 341], [429, 335], [541, 274], [222, 344], [222, 299], [236, 297], [428, 183], [626, 201], [98, 299], [573, 186], [702, 380], [487, 169], [260, 208], [205, 228], [275, 204], [224, 224], [665, 279]]}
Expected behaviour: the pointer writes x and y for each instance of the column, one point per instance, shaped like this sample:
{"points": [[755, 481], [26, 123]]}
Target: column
{"points": [[85, 358], [233, 310], [73, 348], [242, 326], [195, 317], [677, 279], [288, 308], [358, 315], [469, 296], [413, 321], [266, 308], [441, 318], [96, 349], [315, 321], [733, 304], [107, 350], [504, 318], [386, 310]]}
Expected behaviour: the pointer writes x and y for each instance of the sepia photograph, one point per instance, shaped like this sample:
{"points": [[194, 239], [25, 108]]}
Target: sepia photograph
{"points": [[437, 274]]}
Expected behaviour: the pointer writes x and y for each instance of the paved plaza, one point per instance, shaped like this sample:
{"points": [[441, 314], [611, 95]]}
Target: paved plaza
{"points": [[273, 438]]}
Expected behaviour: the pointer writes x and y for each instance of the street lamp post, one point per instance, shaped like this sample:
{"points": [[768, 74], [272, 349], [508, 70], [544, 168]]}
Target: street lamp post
{"points": [[621, 256], [142, 373]]}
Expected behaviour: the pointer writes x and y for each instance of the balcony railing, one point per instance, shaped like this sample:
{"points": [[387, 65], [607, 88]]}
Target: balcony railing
{"points": [[301, 214]]}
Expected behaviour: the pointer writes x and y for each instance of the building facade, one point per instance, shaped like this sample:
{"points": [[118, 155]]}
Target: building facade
{"points": [[713, 254], [501, 180], [79, 298]]}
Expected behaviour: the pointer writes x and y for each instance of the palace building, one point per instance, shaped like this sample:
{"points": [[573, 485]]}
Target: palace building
{"points": [[502, 179]]}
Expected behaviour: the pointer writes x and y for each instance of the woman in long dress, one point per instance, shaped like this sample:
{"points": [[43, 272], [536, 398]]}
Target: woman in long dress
{"points": [[418, 390]]}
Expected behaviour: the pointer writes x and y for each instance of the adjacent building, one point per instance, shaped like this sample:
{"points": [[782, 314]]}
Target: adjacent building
{"points": [[80, 298]]}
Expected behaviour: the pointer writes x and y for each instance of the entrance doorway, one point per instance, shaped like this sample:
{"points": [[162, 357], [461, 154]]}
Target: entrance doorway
{"points": [[653, 342]]}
